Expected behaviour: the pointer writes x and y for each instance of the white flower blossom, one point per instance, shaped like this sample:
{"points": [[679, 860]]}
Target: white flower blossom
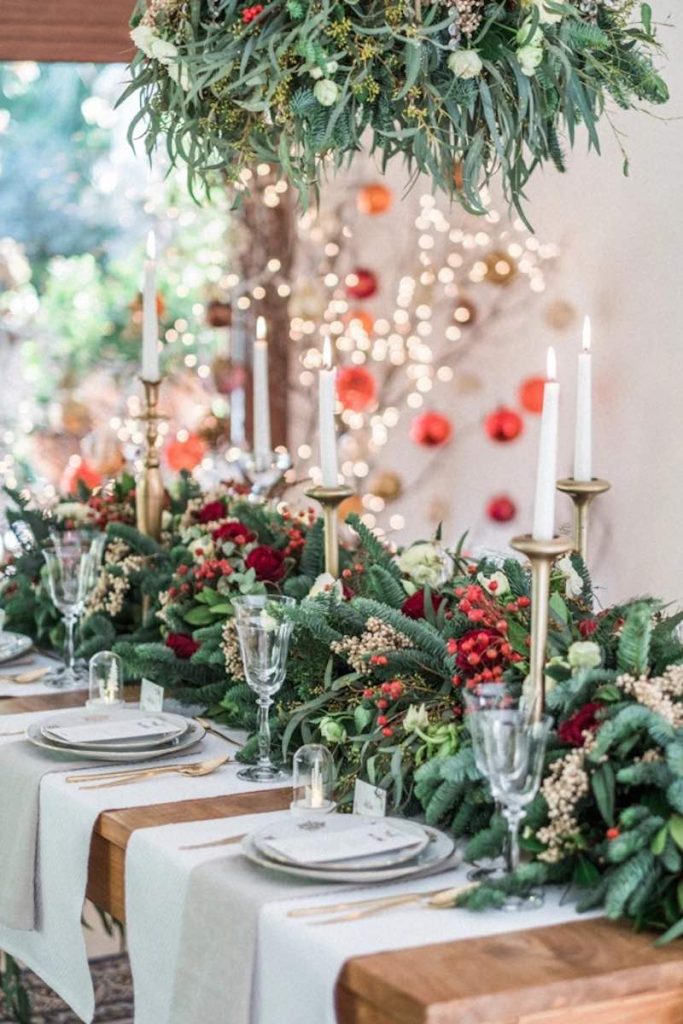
{"points": [[574, 584], [584, 654], [529, 57], [465, 63], [325, 583], [152, 45], [416, 718], [545, 15], [326, 92], [179, 72], [526, 38], [74, 510], [499, 580], [201, 548], [426, 564]]}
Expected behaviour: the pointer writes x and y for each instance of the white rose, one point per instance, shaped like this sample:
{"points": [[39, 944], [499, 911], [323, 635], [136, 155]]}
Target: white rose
{"points": [[331, 67], [316, 73], [180, 74], [584, 654], [426, 564], [529, 58], [325, 583], [500, 581], [142, 36], [152, 45], [545, 15], [526, 38], [326, 92], [202, 548], [465, 63], [574, 584], [416, 718], [75, 510]]}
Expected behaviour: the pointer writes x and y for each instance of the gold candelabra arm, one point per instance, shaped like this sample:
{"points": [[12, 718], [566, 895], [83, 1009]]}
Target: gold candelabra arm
{"points": [[541, 554], [330, 498], [149, 486], [582, 493]]}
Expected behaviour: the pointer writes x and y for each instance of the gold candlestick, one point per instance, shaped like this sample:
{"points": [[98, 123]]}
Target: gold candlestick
{"points": [[582, 493], [330, 498], [149, 487], [541, 554]]}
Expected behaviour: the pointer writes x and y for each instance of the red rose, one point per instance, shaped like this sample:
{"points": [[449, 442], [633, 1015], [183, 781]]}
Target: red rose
{"points": [[237, 532], [414, 607], [183, 646], [584, 720], [268, 563], [212, 511], [587, 627]]}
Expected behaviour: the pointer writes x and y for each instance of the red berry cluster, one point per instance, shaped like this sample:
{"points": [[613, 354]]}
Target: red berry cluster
{"points": [[382, 696], [249, 13], [482, 654], [109, 509], [295, 542]]}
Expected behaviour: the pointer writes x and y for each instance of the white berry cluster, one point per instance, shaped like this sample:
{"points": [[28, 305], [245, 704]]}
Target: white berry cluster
{"points": [[377, 638], [662, 694], [110, 591], [566, 783]]}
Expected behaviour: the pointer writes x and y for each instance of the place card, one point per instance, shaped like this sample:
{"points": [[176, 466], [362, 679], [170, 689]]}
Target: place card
{"points": [[151, 696], [365, 840], [369, 800]]}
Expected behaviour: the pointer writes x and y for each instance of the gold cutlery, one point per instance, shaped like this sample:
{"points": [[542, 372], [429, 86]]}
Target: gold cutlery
{"points": [[207, 724], [358, 909], [31, 676], [98, 776], [191, 770], [228, 841]]}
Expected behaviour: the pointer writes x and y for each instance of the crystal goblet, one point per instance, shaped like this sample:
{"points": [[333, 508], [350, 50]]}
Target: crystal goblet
{"points": [[71, 575], [263, 635]]}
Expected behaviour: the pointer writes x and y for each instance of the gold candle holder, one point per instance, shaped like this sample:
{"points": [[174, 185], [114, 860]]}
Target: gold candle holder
{"points": [[149, 487], [582, 493], [541, 554], [330, 498]]}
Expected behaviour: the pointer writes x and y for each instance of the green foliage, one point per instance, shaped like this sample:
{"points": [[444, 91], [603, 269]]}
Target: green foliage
{"points": [[634, 642]]}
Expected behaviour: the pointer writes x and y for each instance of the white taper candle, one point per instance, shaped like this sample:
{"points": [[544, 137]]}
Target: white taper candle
{"points": [[262, 445], [150, 322], [326, 405], [583, 439], [546, 476]]}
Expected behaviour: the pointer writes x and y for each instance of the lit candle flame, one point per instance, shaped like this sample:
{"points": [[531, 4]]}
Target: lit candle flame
{"points": [[327, 354], [261, 329], [586, 342], [151, 246], [551, 366]]}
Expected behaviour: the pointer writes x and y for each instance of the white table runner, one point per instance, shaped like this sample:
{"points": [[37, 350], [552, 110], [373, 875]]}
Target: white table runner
{"points": [[56, 952], [296, 964]]}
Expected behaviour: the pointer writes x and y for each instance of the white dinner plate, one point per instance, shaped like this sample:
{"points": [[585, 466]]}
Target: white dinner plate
{"points": [[340, 823], [193, 735], [438, 850], [178, 723], [13, 644]]}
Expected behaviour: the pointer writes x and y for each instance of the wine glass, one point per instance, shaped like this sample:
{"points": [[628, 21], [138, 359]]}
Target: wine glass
{"points": [[71, 575], [484, 697], [512, 750], [263, 635]]}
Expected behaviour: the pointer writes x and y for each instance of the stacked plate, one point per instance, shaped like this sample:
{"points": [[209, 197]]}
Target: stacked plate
{"points": [[13, 644], [348, 848], [116, 735]]}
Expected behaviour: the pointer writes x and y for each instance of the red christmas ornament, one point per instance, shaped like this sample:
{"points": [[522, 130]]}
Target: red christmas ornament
{"points": [[501, 509], [356, 388], [185, 452], [531, 394], [78, 471], [431, 429], [360, 318], [503, 424], [374, 199], [361, 283]]}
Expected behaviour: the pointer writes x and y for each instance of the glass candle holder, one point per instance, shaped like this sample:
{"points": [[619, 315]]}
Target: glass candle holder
{"points": [[105, 671], [313, 780]]}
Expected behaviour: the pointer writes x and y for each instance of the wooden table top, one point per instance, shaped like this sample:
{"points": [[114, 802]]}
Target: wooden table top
{"points": [[599, 969]]}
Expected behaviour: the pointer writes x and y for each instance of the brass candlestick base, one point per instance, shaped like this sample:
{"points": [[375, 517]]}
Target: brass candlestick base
{"points": [[582, 493], [330, 498], [149, 487], [541, 554]]}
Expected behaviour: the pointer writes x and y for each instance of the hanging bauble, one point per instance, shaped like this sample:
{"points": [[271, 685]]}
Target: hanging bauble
{"points": [[360, 318], [350, 506], [214, 430], [102, 451], [360, 283], [500, 268], [356, 388], [387, 485], [78, 472], [431, 429], [75, 417], [560, 314], [501, 509], [503, 424], [218, 314], [374, 199], [308, 300], [531, 394], [465, 312], [185, 451]]}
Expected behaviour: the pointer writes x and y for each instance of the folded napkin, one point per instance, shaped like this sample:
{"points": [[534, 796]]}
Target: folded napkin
{"points": [[22, 767]]}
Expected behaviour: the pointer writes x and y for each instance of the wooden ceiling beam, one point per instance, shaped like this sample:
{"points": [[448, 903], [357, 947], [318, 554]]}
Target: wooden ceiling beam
{"points": [[66, 30]]}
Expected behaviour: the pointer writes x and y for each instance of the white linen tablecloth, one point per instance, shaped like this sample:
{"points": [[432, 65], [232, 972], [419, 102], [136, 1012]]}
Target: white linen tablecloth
{"points": [[294, 965], [67, 815]]}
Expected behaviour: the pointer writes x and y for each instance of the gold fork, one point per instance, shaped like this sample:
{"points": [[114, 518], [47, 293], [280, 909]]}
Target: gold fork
{"points": [[119, 772], [191, 770], [31, 676], [207, 724]]}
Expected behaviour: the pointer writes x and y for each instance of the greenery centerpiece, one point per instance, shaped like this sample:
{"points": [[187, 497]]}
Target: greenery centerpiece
{"points": [[462, 89]]}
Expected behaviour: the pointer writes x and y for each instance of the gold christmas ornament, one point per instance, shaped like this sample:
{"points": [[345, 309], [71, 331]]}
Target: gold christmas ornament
{"points": [[560, 314], [500, 268], [387, 485], [75, 417], [468, 384]]}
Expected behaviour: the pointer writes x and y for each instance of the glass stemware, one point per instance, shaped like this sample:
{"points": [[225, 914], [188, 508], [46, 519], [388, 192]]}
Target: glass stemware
{"points": [[71, 574], [485, 697], [264, 643], [512, 750]]}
